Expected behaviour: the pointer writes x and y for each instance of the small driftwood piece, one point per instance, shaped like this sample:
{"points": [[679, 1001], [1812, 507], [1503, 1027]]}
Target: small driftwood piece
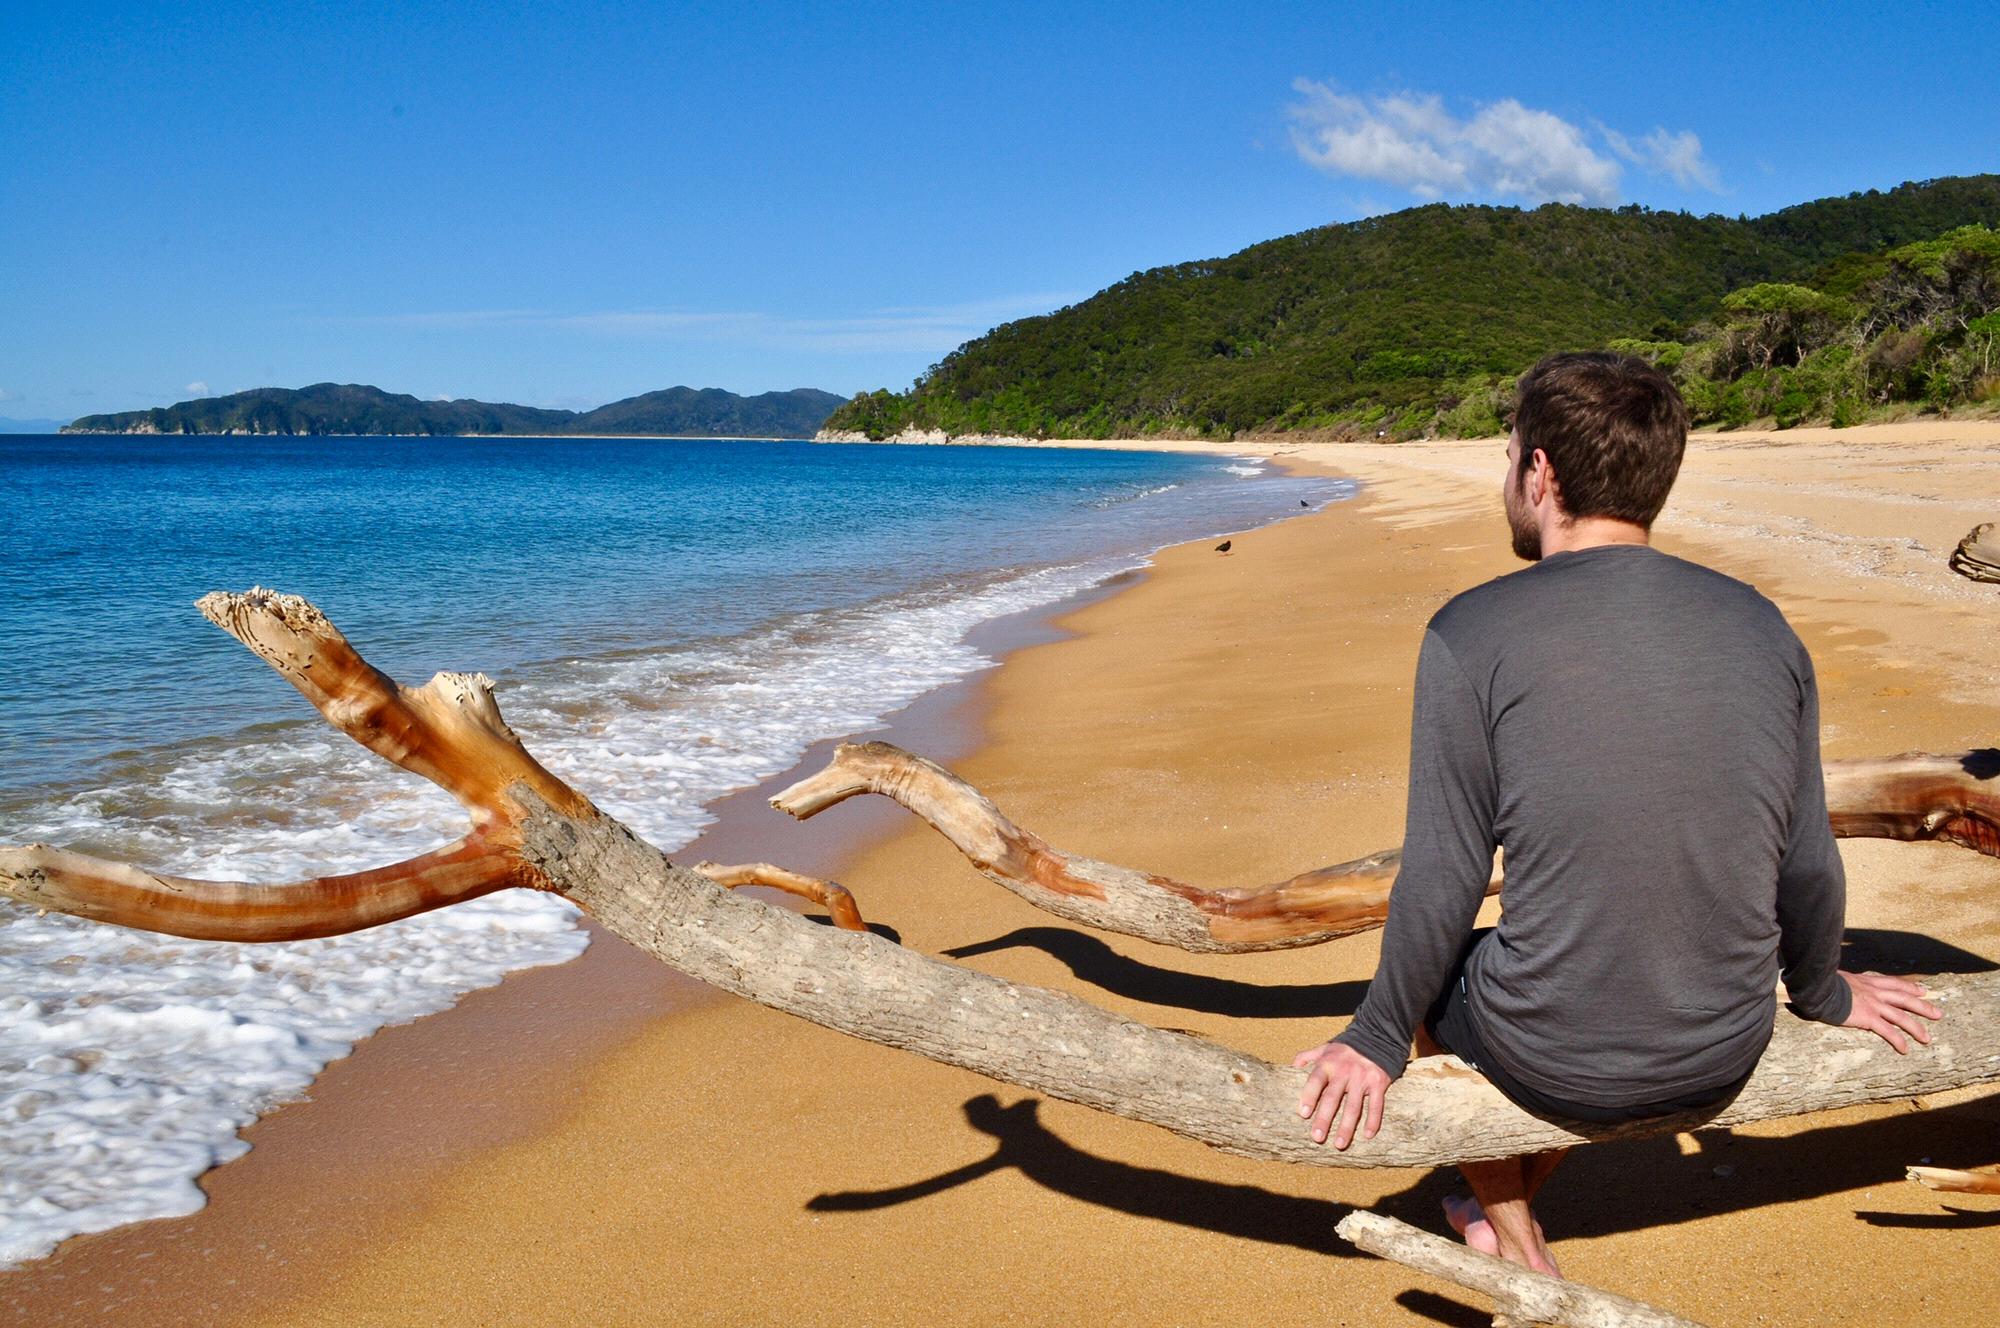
{"points": [[1953, 798], [529, 828], [1978, 555], [1519, 1296], [1975, 1180], [832, 896]]}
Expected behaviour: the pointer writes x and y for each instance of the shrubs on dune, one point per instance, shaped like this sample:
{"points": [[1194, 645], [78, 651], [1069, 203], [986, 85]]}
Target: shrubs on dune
{"points": [[1915, 327]]}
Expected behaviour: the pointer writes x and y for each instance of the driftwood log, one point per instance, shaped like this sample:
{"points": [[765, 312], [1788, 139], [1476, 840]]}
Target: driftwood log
{"points": [[1977, 556], [1917, 796], [531, 829], [1519, 1296]]}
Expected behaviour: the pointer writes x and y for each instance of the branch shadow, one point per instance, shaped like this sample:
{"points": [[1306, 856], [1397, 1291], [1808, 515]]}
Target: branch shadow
{"points": [[1884, 951], [1605, 1189], [1444, 1310], [1093, 961], [882, 929], [1951, 1219], [1024, 1144]]}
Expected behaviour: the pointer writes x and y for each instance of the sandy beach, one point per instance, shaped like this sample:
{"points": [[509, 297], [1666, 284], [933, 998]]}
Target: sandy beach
{"points": [[598, 1143]]}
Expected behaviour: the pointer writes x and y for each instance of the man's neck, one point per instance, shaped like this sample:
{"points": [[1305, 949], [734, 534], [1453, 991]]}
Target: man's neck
{"points": [[1590, 532]]}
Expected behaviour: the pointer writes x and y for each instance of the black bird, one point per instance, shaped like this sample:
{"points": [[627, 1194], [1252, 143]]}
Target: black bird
{"points": [[1304, 503], [1224, 546]]}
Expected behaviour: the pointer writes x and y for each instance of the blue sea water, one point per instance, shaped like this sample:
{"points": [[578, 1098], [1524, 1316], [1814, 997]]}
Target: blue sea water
{"points": [[667, 621]]}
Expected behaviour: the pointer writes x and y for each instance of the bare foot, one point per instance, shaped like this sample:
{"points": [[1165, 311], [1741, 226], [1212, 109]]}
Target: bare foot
{"points": [[1468, 1219], [1544, 1260]]}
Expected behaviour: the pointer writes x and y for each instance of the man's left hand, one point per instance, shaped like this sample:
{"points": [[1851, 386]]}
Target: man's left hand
{"points": [[1890, 1007], [1341, 1081]]}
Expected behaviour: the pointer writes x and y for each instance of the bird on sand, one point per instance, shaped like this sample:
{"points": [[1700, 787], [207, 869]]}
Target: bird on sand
{"points": [[1224, 546]]}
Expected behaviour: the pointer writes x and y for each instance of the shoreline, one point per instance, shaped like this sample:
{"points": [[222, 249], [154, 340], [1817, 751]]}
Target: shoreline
{"points": [[373, 1124], [1160, 733]]}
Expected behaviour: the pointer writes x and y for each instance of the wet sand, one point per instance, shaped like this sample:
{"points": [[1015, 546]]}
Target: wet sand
{"points": [[1226, 720]]}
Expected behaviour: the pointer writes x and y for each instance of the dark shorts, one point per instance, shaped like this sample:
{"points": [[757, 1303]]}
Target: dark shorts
{"points": [[1449, 1022]]}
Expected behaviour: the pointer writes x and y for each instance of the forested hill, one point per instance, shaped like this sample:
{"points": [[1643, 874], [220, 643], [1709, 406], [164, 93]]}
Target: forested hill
{"points": [[1416, 322], [336, 408]]}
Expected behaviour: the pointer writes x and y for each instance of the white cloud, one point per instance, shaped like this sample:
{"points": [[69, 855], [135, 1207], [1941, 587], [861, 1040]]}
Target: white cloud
{"points": [[1678, 156], [922, 330], [1503, 149], [197, 388]]}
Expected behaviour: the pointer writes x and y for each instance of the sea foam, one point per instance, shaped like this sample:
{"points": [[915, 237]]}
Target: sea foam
{"points": [[129, 1061]]}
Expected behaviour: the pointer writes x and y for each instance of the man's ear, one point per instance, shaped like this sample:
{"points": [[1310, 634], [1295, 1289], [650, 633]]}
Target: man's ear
{"points": [[1542, 478]]}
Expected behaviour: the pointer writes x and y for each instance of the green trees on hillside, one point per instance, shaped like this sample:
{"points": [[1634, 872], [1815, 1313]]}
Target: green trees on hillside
{"points": [[1418, 322]]}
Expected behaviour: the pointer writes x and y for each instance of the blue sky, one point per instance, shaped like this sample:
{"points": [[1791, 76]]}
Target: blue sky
{"points": [[564, 204]]}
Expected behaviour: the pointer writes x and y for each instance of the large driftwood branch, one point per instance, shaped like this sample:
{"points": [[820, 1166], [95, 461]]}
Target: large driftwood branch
{"points": [[860, 983], [1953, 798], [1519, 1296]]}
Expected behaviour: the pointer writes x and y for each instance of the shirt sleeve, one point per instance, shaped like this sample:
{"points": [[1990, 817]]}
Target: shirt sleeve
{"points": [[1447, 859], [1812, 885]]}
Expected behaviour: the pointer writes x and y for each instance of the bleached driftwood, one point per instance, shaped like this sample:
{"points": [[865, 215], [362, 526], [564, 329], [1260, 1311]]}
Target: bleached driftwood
{"points": [[1953, 798], [1519, 1296], [532, 829]]}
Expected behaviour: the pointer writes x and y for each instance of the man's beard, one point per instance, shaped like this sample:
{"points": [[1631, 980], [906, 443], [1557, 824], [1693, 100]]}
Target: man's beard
{"points": [[1521, 523]]}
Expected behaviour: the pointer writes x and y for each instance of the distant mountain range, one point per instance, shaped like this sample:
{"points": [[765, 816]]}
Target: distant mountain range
{"points": [[352, 408]]}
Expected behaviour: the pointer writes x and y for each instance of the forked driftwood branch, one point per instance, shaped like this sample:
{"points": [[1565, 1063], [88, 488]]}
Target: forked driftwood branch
{"points": [[1307, 909], [529, 828], [1519, 1296], [1951, 798]]}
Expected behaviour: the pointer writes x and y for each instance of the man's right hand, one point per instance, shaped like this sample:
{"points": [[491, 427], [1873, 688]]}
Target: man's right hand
{"points": [[1889, 1006], [1341, 1081]]}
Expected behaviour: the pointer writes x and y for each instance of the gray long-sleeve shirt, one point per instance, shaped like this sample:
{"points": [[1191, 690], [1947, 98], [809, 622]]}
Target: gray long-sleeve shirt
{"points": [[1641, 735]]}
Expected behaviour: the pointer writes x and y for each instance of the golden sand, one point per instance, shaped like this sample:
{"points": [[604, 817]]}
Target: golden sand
{"points": [[1228, 720]]}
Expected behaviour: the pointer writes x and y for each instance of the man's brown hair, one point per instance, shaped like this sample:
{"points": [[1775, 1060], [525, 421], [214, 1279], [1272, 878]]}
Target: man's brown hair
{"points": [[1614, 428]]}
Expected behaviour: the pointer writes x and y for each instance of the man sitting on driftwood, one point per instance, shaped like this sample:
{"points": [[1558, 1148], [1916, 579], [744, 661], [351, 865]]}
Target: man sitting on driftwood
{"points": [[1642, 735]]}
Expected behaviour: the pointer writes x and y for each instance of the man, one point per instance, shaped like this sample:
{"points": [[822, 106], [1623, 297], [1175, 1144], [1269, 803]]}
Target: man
{"points": [[1642, 735]]}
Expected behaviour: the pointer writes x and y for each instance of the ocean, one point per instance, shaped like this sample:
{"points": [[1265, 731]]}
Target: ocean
{"points": [[666, 621]]}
